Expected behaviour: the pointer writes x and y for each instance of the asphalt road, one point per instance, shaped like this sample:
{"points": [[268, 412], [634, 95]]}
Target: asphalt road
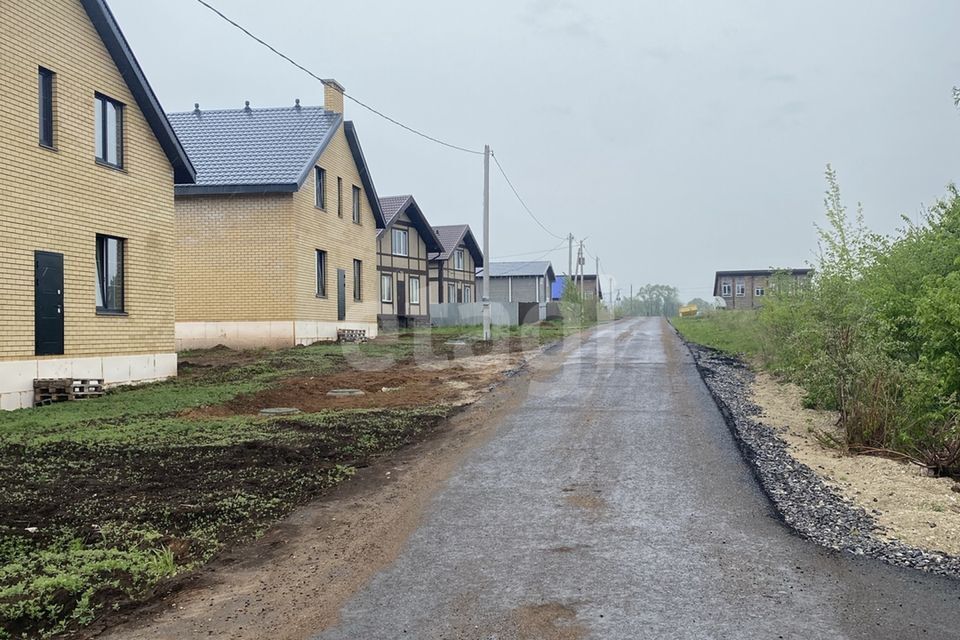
{"points": [[613, 503]]}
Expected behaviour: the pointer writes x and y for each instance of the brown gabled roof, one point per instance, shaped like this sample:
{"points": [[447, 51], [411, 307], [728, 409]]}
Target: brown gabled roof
{"points": [[393, 206], [451, 236]]}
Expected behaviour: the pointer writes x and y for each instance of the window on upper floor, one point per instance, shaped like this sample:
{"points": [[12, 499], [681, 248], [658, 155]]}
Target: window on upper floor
{"points": [[741, 288], [109, 130], [458, 259], [109, 274], [320, 185], [45, 98], [725, 289], [339, 196], [356, 204], [758, 292], [400, 247]]}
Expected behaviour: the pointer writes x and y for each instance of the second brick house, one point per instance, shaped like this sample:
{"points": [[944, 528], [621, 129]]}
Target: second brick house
{"points": [[277, 239]]}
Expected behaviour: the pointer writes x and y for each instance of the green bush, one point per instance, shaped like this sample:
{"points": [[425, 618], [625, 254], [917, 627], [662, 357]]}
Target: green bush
{"points": [[876, 333]]}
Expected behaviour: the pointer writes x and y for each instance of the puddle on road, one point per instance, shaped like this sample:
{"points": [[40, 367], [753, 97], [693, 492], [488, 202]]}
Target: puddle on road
{"points": [[548, 621]]}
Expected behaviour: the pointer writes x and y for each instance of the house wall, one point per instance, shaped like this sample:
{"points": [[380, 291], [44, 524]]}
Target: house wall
{"points": [[443, 273], [517, 288], [749, 299], [59, 199], [403, 268], [246, 272]]}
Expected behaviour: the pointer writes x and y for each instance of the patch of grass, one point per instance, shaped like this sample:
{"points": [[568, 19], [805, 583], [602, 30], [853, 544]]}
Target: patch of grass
{"points": [[104, 499], [734, 332]]}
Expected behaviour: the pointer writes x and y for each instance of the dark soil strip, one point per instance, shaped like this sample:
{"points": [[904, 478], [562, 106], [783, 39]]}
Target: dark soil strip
{"points": [[800, 497]]}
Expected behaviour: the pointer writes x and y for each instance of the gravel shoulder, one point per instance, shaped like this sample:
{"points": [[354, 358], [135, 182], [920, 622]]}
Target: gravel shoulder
{"points": [[823, 497], [906, 503]]}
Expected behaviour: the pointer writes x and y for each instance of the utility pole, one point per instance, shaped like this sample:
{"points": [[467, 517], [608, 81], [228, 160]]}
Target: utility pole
{"points": [[580, 264], [486, 243], [597, 292], [570, 256]]}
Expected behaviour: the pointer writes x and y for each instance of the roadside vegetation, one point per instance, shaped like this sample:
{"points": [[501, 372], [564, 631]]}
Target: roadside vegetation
{"points": [[106, 500], [874, 335]]}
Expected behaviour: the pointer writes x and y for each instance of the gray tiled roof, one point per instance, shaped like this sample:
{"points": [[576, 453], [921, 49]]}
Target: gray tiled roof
{"points": [[519, 269], [254, 147]]}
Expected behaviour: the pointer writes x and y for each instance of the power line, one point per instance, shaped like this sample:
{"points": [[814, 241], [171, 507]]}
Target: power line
{"points": [[540, 257], [527, 253], [522, 203], [325, 83]]}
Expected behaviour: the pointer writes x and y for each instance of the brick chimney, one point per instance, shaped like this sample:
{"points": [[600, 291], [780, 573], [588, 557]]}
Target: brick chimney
{"points": [[333, 95]]}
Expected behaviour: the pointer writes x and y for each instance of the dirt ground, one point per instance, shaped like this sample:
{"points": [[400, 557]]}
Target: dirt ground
{"points": [[911, 506], [404, 384], [292, 582]]}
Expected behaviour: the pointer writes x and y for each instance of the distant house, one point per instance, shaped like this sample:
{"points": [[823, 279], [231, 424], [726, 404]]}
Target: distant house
{"points": [[403, 249], [746, 289], [519, 281], [453, 270], [88, 167], [591, 287], [277, 240]]}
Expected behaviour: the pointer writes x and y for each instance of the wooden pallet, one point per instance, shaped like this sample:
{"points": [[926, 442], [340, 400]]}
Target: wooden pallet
{"points": [[49, 390], [89, 388], [351, 335]]}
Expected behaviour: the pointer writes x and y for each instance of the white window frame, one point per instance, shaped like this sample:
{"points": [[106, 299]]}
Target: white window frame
{"points": [[413, 284], [386, 288], [401, 248], [320, 186], [467, 293], [758, 292], [458, 259], [451, 287], [725, 289], [741, 288]]}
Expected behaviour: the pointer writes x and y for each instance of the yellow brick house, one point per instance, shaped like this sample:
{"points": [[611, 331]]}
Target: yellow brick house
{"points": [[87, 169], [277, 237]]}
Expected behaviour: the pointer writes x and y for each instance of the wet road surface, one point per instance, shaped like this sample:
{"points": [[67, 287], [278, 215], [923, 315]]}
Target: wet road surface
{"points": [[613, 503]]}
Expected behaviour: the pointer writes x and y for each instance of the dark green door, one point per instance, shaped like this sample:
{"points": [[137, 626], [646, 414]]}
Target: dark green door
{"points": [[48, 303], [341, 294]]}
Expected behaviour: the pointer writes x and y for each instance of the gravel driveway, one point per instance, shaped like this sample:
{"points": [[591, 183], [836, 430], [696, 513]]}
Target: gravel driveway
{"points": [[613, 503]]}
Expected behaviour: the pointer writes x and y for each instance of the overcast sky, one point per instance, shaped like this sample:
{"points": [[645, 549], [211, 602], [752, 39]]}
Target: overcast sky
{"points": [[678, 137]]}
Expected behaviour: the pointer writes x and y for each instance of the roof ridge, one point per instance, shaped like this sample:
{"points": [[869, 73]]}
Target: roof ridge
{"points": [[254, 109]]}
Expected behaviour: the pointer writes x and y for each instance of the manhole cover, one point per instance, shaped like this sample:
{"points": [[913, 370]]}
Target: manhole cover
{"points": [[342, 393], [279, 411]]}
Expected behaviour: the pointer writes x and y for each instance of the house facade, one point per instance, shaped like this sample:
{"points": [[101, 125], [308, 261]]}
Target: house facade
{"points": [[519, 281], [453, 270], [404, 246], [746, 289], [86, 203], [277, 238], [591, 287]]}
